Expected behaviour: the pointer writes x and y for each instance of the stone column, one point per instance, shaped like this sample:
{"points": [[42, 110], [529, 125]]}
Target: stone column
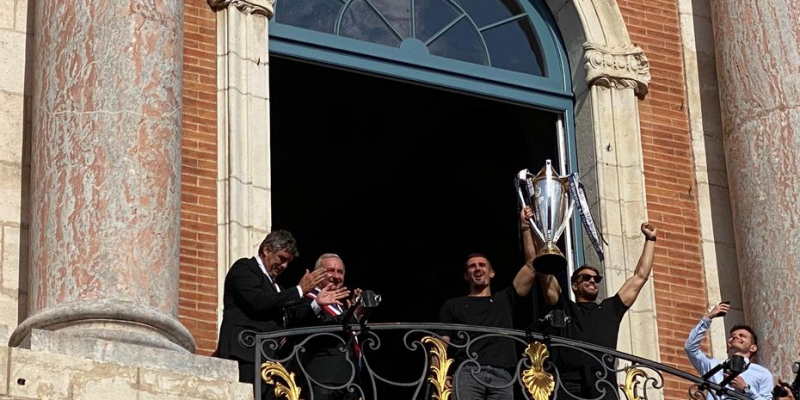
{"points": [[106, 172], [243, 137], [616, 76], [758, 59]]}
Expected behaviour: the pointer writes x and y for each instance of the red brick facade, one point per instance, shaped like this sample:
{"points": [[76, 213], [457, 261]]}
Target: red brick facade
{"points": [[198, 261], [669, 180]]}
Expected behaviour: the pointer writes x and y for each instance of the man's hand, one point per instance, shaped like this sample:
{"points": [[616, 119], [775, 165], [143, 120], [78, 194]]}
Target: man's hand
{"points": [[649, 231], [312, 279], [351, 302], [788, 388], [524, 216], [737, 383], [719, 308], [328, 295]]}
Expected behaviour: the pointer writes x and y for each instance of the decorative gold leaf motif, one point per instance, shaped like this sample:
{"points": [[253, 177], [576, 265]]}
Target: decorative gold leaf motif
{"points": [[289, 390], [631, 382], [540, 384], [439, 366]]}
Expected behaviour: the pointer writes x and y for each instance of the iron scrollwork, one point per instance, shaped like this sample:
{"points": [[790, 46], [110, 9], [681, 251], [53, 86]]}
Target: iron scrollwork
{"points": [[438, 376], [540, 384], [286, 386], [631, 382], [410, 361]]}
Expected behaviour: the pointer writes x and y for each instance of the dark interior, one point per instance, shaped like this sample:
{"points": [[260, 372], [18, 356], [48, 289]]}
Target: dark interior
{"points": [[403, 181]]}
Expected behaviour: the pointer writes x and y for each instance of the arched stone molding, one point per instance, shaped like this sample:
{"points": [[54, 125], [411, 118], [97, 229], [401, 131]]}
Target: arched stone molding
{"points": [[608, 73]]}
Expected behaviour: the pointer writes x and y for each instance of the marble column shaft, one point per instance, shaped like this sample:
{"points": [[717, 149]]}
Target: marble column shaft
{"points": [[758, 59], [106, 155]]}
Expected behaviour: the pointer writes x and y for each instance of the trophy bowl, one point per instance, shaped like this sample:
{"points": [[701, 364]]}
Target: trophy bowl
{"points": [[547, 194]]}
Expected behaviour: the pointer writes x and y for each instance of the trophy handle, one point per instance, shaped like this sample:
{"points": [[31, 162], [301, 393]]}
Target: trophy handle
{"points": [[524, 204]]}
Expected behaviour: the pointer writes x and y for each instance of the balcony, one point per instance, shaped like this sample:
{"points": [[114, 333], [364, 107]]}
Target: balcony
{"points": [[411, 361]]}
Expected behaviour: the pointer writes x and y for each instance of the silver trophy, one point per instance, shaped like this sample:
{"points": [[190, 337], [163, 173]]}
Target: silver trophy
{"points": [[547, 194]]}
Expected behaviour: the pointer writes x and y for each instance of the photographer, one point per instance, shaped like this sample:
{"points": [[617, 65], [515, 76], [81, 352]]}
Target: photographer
{"points": [[785, 391], [755, 382]]}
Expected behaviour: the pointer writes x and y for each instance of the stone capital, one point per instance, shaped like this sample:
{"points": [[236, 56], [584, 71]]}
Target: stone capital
{"points": [[258, 7], [625, 67]]}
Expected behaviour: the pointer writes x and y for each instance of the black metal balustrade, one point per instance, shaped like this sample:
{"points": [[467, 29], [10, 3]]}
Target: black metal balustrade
{"points": [[410, 361]]}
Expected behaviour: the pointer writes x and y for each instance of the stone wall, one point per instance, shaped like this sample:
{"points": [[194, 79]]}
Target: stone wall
{"points": [[26, 374], [16, 37]]}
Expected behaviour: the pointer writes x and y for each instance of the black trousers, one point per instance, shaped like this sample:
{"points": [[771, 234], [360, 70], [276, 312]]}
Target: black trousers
{"points": [[247, 374]]}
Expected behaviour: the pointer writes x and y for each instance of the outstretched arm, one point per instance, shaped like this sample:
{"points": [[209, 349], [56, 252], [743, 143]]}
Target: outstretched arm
{"points": [[527, 274], [701, 362], [631, 288]]}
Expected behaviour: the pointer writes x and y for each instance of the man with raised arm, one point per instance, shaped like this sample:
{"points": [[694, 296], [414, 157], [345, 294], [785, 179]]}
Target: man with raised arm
{"points": [[593, 322], [483, 307], [755, 382]]}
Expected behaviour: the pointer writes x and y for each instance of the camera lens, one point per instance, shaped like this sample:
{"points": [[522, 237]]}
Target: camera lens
{"points": [[796, 367]]}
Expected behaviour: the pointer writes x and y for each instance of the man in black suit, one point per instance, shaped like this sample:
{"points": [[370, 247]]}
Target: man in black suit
{"points": [[255, 302], [325, 359]]}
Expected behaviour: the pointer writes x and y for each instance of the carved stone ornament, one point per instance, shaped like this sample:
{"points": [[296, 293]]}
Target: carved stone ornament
{"points": [[258, 7], [620, 68]]}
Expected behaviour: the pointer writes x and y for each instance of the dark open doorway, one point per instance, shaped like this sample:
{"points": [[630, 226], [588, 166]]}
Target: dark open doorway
{"points": [[402, 180]]}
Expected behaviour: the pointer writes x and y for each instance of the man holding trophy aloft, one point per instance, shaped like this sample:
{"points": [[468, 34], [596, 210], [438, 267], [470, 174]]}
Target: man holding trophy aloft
{"points": [[548, 194]]}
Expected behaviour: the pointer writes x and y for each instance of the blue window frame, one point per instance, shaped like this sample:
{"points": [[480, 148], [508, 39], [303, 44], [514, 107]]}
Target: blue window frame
{"points": [[504, 49]]}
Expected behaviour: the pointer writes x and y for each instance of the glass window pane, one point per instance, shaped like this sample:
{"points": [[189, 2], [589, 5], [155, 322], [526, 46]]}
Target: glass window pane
{"points": [[430, 16], [486, 12], [360, 21], [397, 12], [319, 15], [513, 46], [460, 42]]}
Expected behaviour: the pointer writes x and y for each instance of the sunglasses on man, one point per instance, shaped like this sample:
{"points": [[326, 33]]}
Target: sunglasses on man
{"points": [[587, 278]]}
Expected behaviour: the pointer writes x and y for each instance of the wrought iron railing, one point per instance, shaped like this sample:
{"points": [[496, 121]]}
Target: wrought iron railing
{"points": [[411, 361]]}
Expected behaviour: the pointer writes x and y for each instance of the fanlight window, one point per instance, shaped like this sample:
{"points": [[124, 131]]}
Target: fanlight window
{"points": [[494, 33]]}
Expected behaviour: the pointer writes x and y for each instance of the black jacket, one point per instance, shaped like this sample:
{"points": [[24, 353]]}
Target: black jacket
{"points": [[324, 359], [251, 303]]}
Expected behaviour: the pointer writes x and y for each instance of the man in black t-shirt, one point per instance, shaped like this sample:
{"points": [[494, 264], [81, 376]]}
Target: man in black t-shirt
{"points": [[497, 356], [592, 322]]}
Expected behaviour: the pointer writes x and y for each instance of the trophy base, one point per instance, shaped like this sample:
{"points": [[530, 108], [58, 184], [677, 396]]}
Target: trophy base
{"points": [[549, 260]]}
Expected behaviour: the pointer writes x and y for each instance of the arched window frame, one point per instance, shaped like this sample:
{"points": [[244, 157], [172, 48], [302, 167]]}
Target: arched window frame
{"points": [[552, 91]]}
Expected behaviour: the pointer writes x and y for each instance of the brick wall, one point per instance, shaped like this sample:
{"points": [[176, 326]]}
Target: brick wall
{"points": [[198, 270], [669, 178]]}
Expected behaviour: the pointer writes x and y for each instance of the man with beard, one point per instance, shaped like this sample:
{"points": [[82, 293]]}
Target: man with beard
{"points": [[755, 382], [497, 357], [592, 322], [325, 359]]}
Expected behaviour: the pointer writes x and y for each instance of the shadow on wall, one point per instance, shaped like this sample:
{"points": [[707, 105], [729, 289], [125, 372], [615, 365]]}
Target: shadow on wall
{"points": [[719, 197], [25, 175]]}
